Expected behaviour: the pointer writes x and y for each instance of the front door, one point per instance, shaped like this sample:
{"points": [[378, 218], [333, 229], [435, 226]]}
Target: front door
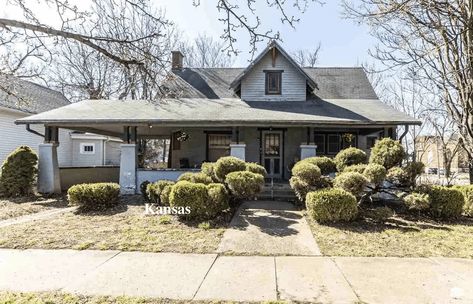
{"points": [[272, 153]]}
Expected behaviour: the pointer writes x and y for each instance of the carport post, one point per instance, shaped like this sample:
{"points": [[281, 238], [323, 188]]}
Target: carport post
{"points": [[128, 162], [49, 180]]}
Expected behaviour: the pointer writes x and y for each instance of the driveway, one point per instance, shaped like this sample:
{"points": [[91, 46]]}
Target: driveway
{"points": [[268, 228]]}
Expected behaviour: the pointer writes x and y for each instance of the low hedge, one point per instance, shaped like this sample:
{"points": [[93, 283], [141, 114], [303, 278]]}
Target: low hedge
{"points": [[348, 157], [352, 182], [325, 164], [158, 192], [244, 184], [331, 205], [467, 191], [444, 202], [226, 165], [195, 178], [97, 196], [417, 201]]}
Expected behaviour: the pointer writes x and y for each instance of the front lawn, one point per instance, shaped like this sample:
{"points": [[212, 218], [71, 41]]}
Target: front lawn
{"points": [[15, 207], [399, 236], [124, 227]]}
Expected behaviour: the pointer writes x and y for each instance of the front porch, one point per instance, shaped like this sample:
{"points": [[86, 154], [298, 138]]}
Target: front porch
{"points": [[176, 150]]}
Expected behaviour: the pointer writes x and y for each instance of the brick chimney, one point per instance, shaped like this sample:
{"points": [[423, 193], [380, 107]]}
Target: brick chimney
{"points": [[177, 60]]}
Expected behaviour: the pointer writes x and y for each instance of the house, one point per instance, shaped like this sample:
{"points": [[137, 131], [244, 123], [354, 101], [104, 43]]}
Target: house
{"points": [[20, 98], [272, 112], [437, 153]]}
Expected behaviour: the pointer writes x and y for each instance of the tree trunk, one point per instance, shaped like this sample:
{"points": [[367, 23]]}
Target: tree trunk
{"points": [[470, 169]]}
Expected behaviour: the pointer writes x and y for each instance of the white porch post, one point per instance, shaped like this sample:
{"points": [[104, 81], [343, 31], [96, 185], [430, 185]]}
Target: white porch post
{"points": [[308, 150], [128, 162], [238, 150], [48, 169]]}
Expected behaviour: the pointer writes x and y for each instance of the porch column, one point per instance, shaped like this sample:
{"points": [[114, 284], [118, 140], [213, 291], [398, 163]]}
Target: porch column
{"points": [[128, 161], [238, 150], [308, 150], [49, 180]]}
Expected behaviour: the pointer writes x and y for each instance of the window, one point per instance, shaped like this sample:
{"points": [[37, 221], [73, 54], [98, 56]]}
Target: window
{"points": [[87, 148], [333, 144], [370, 141], [319, 140], [218, 146], [273, 82]]}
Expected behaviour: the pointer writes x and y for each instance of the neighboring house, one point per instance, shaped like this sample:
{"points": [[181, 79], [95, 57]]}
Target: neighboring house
{"points": [[272, 112], [435, 153], [20, 98]]}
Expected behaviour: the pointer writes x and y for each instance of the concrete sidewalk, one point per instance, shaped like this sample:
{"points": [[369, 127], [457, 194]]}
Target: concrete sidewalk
{"points": [[239, 278]]}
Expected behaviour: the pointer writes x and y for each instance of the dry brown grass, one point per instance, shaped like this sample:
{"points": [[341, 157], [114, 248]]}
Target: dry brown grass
{"points": [[15, 207], [399, 236], [122, 228]]}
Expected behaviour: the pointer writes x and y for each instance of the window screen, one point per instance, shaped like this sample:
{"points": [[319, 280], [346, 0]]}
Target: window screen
{"points": [[273, 83], [218, 146]]}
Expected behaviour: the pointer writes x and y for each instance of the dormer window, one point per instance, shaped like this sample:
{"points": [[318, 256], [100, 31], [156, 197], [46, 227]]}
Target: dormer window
{"points": [[273, 82]]}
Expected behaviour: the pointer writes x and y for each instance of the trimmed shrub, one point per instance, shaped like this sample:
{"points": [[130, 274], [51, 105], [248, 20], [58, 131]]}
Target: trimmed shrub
{"points": [[417, 201], [352, 182], [398, 176], [95, 196], [375, 174], [308, 172], [301, 187], [467, 191], [209, 169], [360, 168], [18, 172], [444, 202], [244, 184], [165, 193], [195, 178], [387, 152], [331, 205], [192, 195], [413, 170], [255, 168], [226, 165], [143, 188], [218, 199], [155, 191], [348, 157], [325, 164]]}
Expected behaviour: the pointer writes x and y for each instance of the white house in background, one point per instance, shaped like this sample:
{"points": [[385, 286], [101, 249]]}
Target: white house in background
{"points": [[20, 98]]}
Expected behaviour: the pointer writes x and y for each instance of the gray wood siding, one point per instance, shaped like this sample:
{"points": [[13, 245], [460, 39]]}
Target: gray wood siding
{"points": [[293, 83]]}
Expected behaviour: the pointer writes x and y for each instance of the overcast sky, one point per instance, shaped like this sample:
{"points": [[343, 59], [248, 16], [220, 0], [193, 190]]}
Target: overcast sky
{"points": [[344, 43]]}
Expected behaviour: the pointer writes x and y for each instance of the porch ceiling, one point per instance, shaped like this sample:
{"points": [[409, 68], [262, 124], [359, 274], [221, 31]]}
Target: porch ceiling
{"points": [[112, 115]]}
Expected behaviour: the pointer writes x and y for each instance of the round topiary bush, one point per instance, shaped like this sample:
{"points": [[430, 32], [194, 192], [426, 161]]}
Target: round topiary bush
{"points": [[308, 172], [375, 174], [244, 184], [195, 178], [352, 182], [18, 172], [398, 176], [226, 165], [209, 170], [348, 157], [444, 202], [417, 201], [325, 164], [331, 205], [387, 152], [155, 191], [97, 196], [467, 191], [360, 168], [256, 168], [190, 195], [218, 199]]}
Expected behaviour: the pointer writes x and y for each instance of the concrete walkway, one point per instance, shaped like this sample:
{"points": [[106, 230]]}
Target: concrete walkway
{"points": [[239, 278], [34, 216], [268, 228]]}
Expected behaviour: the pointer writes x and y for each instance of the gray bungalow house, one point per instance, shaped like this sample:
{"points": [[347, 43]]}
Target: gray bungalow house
{"points": [[273, 112]]}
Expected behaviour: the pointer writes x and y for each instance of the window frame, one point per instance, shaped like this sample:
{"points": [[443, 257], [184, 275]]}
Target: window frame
{"points": [[87, 144], [278, 73], [208, 134], [324, 139]]}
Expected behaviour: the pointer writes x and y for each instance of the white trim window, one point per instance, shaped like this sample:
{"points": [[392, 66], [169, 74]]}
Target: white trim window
{"points": [[87, 148]]}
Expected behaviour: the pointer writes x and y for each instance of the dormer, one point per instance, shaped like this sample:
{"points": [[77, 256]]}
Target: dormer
{"points": [[273, 76]]}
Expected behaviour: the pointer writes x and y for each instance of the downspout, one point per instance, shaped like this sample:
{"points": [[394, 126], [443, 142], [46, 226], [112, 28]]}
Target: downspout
{"points": [[406, 129], [33, 131]]}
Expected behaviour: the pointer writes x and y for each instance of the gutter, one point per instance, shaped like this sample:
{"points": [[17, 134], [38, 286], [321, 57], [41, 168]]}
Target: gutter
{"points": [[33, 131]]}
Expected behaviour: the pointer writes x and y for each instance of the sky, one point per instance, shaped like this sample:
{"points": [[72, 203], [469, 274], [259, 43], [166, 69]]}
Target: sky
{"points": [[344, 43]]}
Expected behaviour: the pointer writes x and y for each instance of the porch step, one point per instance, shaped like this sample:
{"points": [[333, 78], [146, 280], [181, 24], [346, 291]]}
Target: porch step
{"points": [[279, 191]]}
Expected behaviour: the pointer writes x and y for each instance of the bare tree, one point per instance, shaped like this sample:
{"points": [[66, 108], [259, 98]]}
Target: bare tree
{"points": [[308, 57], [435, 38], [205, 52]]}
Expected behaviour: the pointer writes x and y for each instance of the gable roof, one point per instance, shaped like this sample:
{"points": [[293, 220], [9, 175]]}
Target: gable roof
{"points": [[29, 97], [273, 44], [214, 83]]}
